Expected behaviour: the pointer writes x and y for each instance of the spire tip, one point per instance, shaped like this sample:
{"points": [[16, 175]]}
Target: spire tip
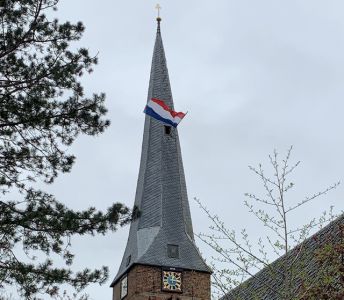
{"points": [[158, 7]]}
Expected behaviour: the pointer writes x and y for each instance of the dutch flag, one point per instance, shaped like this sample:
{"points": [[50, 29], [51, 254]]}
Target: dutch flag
{"points": [[160, 111]]}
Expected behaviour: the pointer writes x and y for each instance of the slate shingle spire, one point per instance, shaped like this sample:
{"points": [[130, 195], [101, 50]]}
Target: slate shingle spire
{"points": [[161, 194]]}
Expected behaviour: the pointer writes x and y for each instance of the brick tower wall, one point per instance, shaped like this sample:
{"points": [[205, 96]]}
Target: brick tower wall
{"points": [[144, 283]]}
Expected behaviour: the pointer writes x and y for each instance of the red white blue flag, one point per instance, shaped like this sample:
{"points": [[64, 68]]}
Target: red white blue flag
{"points": [[160, 111]]}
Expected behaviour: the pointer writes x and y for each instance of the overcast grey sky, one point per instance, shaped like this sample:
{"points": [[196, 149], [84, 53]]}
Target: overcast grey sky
{"points": [[254, 76]]}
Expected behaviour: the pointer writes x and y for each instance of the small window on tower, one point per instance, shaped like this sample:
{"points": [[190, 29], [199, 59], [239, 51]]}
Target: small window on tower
{"points": [[167, 129], [124, 287], [172, 251]]}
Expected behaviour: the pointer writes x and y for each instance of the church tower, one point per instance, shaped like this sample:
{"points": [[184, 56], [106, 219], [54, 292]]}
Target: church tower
{"points": [[161, 260]]}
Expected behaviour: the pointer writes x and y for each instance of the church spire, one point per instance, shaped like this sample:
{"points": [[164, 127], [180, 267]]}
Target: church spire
{"points": [[163, 235]]}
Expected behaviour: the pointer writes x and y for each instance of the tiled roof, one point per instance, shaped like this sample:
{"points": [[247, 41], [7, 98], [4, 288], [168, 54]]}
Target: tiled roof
{"points": [[161, 194], [266, 284]]}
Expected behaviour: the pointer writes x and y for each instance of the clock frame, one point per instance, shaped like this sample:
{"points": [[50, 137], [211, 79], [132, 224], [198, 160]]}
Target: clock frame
{"points": [[171, 280]]}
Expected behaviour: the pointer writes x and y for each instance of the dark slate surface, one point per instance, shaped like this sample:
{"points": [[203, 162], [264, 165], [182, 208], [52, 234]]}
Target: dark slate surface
{"points": [[257, 286], [161, 189]]}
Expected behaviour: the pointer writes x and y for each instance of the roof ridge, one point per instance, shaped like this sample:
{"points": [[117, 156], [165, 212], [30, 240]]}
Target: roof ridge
{"points": [[322, 231]]}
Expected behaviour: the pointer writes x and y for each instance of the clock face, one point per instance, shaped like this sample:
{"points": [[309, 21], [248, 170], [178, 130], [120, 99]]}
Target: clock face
{"points": [[172, 281], [124, 287]]}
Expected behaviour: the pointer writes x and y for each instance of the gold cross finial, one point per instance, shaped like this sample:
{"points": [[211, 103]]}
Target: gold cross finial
{"points": [[158, 7]]}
